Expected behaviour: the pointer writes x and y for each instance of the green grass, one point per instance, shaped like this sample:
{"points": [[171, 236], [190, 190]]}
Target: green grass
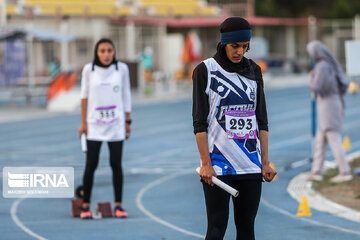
{"points": [[353, 185]]}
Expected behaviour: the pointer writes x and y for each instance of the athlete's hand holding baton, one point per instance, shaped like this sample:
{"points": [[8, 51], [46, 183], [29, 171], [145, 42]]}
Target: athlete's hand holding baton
{"points": [[82, 133], [222, 185], [83, 143]]}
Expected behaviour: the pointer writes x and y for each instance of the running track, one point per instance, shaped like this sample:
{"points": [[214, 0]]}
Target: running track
{"points": [[162, 192]]}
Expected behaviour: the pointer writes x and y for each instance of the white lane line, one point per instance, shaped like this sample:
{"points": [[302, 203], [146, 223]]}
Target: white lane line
{"points": [[157, 155], [289, 142], [19, 223], [300, 123], [286, 213], [296, 164], [146, 170], [167, 224], [290, 114], [327, 163], [306, 137], [152, 184]]}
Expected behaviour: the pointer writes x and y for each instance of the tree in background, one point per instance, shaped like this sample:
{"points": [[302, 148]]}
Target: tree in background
{"points": [[343, 9], [304, 8]]}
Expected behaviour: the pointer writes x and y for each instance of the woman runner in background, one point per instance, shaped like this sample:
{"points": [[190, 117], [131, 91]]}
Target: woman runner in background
{"points": [[231, 128], [105, 116]]}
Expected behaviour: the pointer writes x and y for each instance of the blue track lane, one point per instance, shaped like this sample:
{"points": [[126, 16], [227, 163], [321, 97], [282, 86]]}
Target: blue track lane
{"points": [[162, 192]]}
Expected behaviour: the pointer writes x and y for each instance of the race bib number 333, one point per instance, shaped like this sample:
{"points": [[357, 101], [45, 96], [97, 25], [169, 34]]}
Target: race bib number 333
{"points": [[240, 124]]}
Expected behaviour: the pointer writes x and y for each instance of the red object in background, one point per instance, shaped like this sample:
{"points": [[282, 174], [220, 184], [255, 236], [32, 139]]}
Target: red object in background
{"points": [[63, 82], [192, 49], [105, 209], [76, 207], [70, 81]]}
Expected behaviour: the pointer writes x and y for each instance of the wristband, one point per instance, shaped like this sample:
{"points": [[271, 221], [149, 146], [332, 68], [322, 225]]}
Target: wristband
{"points": [[128, 121]]}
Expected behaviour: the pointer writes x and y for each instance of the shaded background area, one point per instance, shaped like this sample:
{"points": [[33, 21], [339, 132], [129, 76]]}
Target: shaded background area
{"points": [[46, 43]]}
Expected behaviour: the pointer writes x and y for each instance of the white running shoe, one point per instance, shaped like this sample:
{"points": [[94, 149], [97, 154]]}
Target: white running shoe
{"points": [[315, 177], [341, 178]]}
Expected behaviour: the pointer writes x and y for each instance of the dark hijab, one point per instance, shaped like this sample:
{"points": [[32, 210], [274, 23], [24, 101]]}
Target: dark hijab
{"points": [[96, 57], [243, 68], [232, 26]]}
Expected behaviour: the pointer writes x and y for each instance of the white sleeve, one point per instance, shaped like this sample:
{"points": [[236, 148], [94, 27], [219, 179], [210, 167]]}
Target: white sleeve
{"points": [[126, 90], [84, 93]]}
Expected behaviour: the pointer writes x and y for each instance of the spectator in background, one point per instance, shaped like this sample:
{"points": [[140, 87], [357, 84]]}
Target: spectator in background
{"points": [[328, 83], [147, 61], [147, 58], [54, 67]]}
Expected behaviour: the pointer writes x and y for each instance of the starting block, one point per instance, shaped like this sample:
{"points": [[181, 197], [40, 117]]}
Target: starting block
{"points": [[76, 207], [105, 209]]}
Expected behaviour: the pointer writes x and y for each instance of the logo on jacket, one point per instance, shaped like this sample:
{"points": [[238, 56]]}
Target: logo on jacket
{"points": [[252, 94]]}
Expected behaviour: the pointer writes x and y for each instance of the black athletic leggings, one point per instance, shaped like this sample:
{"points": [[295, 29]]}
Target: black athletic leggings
{"points": [[92, 160], [245, 209]]}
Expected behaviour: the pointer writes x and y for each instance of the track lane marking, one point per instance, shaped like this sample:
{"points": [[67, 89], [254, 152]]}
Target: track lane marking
{"points": [[17, 221]]}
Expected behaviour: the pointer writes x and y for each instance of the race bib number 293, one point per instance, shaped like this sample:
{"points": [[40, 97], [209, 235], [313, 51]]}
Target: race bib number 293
{"points": [[240, 124]]}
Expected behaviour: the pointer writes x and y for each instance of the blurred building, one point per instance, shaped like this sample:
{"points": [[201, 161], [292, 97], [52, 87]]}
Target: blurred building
{"points": [[162, 25]]}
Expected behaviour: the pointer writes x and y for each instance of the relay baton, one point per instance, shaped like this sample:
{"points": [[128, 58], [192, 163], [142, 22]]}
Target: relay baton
{"points": [[83, 143], [222, 185]]}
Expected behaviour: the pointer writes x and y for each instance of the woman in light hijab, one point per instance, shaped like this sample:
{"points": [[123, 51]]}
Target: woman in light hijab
{"points": [[328, 83]]}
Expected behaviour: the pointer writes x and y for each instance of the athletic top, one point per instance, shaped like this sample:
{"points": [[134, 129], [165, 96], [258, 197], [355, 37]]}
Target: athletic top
{"points": [[221, 96], [108, 94]]}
